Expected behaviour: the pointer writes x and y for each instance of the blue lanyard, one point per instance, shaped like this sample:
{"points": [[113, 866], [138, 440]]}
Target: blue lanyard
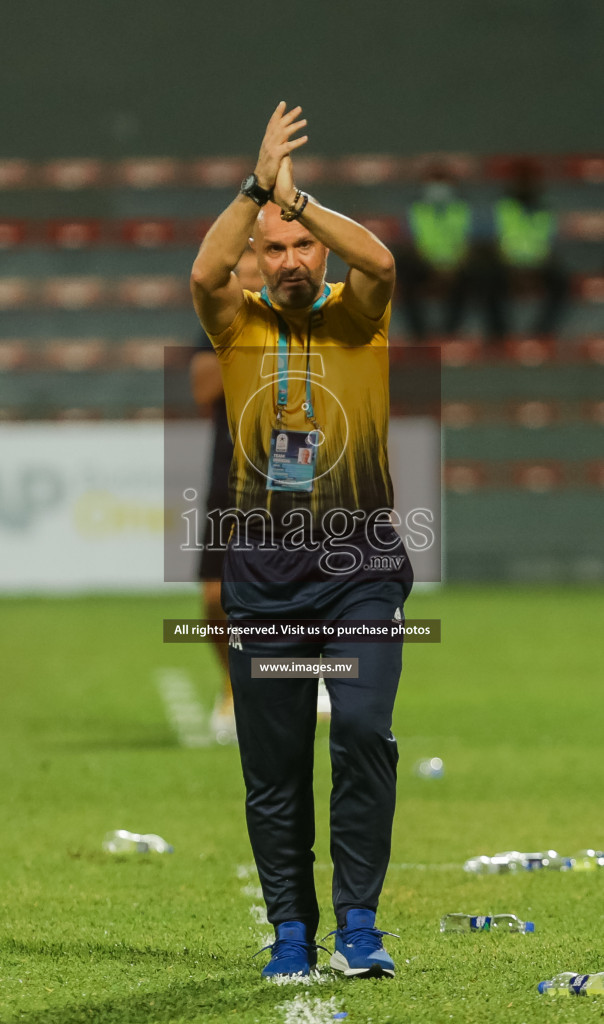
{"points": [[282, 356]]}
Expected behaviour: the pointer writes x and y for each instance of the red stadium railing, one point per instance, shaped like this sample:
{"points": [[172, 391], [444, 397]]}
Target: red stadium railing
{"points": [[225, 172], [152, 291], [582, 225], [147, 353]]}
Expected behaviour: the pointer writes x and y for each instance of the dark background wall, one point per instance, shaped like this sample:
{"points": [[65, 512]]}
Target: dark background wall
{"points": [[187, 77]]}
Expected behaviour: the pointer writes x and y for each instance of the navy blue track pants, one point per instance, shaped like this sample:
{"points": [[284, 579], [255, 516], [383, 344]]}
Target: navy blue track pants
{"points": [[276, 721]]}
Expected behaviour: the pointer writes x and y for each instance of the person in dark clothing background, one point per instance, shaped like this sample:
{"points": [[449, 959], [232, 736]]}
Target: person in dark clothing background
{"points": [[206, 385], [435, 261], [523, 256]]}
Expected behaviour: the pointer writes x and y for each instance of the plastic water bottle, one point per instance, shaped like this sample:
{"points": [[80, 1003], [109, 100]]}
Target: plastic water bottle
{"points": [[498, 864], [478, 865], [513, 860], [549, 860], [569, 984], [511, 923], [464, 923], [122, 841], [429, 768], [508, 862], [588, 860]]}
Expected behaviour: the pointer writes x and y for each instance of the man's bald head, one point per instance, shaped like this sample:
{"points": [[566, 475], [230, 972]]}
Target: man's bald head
{"points": [[269, 218], [291, 260]]}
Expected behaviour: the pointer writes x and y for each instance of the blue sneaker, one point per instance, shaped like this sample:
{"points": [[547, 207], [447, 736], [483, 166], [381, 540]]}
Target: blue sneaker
{"points": [[292, 953], [359, 951]]}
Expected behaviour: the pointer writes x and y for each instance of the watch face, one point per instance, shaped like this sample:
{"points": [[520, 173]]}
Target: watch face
{"points": [[248, 182]]}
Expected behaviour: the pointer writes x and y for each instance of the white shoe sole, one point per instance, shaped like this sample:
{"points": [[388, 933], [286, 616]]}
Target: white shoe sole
{"points": [[340, 963]]}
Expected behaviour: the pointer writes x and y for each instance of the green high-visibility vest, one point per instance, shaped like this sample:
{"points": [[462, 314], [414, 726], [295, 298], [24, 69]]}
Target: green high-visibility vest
{"points": [[441, 233], [524, 236]]}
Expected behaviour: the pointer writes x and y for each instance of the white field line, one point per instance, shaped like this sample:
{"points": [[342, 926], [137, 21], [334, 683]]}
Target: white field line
{"points": [[304, 1010], [405, 867], [314, 978], [258, 913], [183, 709], [246, 871], [247, 874], [426, 867], [253, 891]]}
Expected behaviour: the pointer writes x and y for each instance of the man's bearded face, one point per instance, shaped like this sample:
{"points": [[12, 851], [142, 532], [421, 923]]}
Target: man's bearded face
{"points": [[290, 259]]}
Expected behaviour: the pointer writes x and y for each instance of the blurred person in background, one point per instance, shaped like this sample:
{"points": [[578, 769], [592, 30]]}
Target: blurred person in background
{"points": [[523, 255], [206, 385], [437, 259]]}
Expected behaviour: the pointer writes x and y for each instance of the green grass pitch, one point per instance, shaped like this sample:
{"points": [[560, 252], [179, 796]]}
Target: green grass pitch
{"points": [[512, 702]]}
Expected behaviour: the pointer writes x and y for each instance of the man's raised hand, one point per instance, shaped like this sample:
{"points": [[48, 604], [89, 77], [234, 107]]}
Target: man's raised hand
{"points": [[277, 143], [284, 191]]}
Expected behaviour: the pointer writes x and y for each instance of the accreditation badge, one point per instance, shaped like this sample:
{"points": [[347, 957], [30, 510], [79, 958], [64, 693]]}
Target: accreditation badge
{"points": [[292, 459]]}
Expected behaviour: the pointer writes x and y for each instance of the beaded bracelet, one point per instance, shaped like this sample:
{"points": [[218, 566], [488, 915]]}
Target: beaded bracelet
{"points": [[293, 213]]}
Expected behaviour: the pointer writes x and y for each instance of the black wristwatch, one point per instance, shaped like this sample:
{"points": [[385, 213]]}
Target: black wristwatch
{"points": [[251, 188]]}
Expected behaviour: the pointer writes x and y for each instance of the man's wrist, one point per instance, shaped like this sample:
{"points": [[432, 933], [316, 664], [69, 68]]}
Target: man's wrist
{"points": [[251, 187], [287, 202], [295, 205], [263, 180]]}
